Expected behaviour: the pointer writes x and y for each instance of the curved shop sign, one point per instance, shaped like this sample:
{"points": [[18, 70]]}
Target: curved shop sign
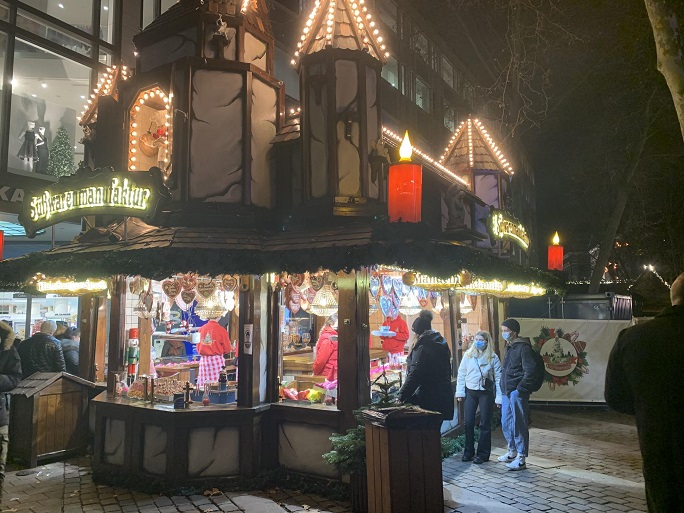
{"points": [[501, 225], [90, 193]]}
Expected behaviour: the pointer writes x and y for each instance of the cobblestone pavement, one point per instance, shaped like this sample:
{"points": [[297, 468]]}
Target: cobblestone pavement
{"points": [[584, 460]]}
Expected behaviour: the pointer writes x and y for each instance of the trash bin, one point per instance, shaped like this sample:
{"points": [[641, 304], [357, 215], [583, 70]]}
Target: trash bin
{"points": [[404, 460]]}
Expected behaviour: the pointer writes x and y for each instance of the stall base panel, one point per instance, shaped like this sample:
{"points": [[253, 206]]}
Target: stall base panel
{"points": [[214, 452], [154, 450], [300, 447], [114, 446]]}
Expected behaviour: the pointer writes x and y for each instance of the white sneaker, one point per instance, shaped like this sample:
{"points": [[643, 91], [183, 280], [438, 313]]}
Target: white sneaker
{"points": [[508, 456], [517, 464]]}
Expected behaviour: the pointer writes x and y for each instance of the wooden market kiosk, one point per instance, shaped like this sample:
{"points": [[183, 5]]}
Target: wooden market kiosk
{"points": [[281, 209]]}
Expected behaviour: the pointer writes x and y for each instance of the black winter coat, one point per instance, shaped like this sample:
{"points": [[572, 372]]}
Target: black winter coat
{"points": [[41, 353], [643, 378], [428, 380], [70, 349], [519, 368], [10, 370]]}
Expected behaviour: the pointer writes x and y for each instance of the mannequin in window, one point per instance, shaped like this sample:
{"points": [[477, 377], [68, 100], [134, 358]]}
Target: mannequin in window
{"points": [[28, 146], [43, 152]]}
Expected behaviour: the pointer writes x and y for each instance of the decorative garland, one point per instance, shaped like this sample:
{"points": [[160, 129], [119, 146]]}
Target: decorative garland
{"points": [[566, 367]]}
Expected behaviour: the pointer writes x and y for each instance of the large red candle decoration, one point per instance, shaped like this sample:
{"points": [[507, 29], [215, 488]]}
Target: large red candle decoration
{"points": [[405, 187], [556, 254]]}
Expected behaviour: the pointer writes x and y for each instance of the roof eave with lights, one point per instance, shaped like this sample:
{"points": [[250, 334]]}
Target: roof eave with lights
{"points": [[105, 86]]}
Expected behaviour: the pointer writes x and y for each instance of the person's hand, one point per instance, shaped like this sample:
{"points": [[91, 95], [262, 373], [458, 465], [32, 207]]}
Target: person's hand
{"points": [[498, 405], [459, 399]]}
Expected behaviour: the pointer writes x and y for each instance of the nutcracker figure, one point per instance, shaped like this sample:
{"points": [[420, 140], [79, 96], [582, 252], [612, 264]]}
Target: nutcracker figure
{"points": [[133, 354]]}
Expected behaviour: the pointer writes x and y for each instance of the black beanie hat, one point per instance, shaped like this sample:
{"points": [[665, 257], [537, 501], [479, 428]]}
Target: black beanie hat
{"points": [[512, 325], [423, 322]]}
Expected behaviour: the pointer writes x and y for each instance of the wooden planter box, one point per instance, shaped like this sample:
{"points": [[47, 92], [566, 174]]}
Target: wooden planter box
{"points": [[49, 417]]}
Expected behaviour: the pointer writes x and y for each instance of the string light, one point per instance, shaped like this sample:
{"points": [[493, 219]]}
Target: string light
{"points": [[472, 125], [245, 4], [105, 87], [321, 25]]}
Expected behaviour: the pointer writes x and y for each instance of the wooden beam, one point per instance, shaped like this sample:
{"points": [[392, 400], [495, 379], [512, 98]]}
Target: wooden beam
{"points": [[101, 339], [117, 326], [145, 344], [88, 305]]}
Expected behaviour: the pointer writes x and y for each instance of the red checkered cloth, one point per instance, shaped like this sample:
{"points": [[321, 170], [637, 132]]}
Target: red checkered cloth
{"points": [[209, 369]]}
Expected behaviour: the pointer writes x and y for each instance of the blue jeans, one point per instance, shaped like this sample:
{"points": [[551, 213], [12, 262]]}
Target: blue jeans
{"points": [[515, 414]]}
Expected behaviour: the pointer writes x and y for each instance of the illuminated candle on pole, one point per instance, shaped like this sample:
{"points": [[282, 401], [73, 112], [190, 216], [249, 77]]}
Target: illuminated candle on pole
{"points": [[405, 187], [556, 254]]}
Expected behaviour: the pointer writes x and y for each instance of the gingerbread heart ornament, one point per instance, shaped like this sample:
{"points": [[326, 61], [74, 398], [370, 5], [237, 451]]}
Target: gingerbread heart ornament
{"points": [[294, 307], [316, 282], [374, 286], [189, 281], [188, 296], [386, 283], [206, 289], [229, 283], [296, 279], [171, 288], [385, 305]]}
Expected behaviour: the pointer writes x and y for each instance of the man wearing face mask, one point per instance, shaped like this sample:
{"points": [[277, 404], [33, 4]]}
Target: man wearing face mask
{"points": [[517, 378]]}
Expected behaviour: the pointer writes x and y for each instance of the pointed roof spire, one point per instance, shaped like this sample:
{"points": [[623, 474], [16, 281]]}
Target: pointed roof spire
{"points": [[471, 147], [345, 24], [108, 85]]}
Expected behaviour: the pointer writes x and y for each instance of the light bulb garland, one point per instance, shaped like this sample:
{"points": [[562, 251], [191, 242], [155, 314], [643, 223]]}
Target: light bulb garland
{"points": [[105, 87], [470, 127], [147, 96], [321, 24]]}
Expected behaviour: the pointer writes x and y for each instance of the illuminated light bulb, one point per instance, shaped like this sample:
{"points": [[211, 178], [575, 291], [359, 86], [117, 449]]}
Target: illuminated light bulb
{"points": [[132, 168], [134, 134], [134, 141], [152, 94], [137, 108], [406, 149], [133, 159], [133, 150]]}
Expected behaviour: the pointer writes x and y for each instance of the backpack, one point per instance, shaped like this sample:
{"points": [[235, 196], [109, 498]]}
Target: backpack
{"points": [[540, 370]]}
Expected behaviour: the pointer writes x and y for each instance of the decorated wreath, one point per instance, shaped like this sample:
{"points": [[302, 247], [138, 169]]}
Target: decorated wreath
{"points": [[565, 357]]}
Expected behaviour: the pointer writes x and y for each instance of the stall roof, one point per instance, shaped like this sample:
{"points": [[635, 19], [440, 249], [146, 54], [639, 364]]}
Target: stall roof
{"points": [[162, 252], [41, 380]]}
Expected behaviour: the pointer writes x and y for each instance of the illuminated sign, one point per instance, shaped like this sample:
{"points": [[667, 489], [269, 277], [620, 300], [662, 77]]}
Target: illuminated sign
{"points": [[135, 194], [65, 287], [463, 283], [502, 225]]}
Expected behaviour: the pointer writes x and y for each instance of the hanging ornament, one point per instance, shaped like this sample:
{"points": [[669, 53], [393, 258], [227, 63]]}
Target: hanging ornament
{"points": [[386, 282], [466, 278], [316, 282], [433, 298], [206, 289], [409, 305], [372, 304], [229, 283], [296, 280], [324, 303], [472, 299], [171, 288], [210, 308], [189, 281], [437, 305], [374, 286], [408, 278], [398, 287], [135, 286], [422, 296], [385, 305], [229, 300]]}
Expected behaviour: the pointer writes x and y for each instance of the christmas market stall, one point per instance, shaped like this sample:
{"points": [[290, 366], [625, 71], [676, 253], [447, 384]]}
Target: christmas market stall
{"points": [[262, 269]]}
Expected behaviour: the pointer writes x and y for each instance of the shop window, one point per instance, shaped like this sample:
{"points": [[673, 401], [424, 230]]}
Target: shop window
{"points": [[421, 45], [390, 72], [148, 12], [149, 142], [422, 94], [107, 20], [105, 57], [387, 13], [48, 92], [448, 72], [469, 94], [77, 13], [4, 12], [449, 117], [43, 29], [308, 339]]}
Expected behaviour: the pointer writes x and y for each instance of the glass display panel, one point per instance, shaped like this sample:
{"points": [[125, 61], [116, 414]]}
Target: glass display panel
{"points": [[387, 13], [448, 72], [422, 94], [107, 19], [48, 92], [77, 13], [42, 28], [390, 72]]}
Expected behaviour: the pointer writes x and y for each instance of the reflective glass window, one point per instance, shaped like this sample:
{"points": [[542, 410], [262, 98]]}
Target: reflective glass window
{"points": [[422, 94], [48, 93], [448, 72], [42, 28], [449, 117], [3, 54], [421, 45], [390, 72], [107, 16], [77, 13], [387, 13]]}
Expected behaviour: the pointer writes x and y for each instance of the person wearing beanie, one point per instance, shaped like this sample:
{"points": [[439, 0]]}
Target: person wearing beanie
{"points": [[42, 352], [10, 376], [517, 378], [428, 378]]}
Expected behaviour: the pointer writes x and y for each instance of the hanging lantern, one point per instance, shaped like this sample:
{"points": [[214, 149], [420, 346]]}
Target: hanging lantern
{"points": [[555, 254], [405, 187], [210, 308], [409, 304], [324, 303]]}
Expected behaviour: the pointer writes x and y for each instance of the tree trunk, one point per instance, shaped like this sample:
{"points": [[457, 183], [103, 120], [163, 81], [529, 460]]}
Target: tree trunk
{"points": [[622, 196], [667, 21]]}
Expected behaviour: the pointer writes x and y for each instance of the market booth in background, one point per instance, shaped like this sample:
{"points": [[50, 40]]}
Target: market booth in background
{"points": [[261, 238]]}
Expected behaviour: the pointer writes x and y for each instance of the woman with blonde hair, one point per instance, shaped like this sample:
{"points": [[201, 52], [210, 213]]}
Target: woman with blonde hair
{"points": [[478, 382]]}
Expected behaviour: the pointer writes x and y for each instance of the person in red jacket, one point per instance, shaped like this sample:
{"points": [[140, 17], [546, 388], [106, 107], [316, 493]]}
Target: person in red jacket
{"points": [[326, 350], [395, 344], [214, 343]]}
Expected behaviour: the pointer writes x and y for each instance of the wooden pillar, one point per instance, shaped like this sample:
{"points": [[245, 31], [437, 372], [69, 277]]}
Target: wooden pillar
{"points": [[455, 314], [101, 339], [117, 326], [353, 335], [88, 306], [273, 344], [249, 372], [494, 322], [145, 344]]}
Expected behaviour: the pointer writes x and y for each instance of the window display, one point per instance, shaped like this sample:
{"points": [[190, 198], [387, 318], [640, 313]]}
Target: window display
{"points": [[149, 141]]}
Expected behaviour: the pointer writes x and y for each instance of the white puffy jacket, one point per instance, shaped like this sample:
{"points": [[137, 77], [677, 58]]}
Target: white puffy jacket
{"points": [[469, 375]]}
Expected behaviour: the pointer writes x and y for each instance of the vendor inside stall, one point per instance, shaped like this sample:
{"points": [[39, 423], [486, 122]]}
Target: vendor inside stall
{"points": [[325, 363], [214, 343]]}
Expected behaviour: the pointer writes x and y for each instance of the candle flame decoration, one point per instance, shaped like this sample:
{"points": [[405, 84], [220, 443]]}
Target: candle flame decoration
{"points": [[405, 150], [556, 239]]}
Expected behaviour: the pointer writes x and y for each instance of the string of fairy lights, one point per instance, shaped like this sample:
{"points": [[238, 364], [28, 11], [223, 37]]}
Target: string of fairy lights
{"points": [[133, 142], [105, 87]]}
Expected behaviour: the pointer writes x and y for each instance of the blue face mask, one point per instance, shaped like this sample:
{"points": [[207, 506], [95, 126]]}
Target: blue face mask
{"points": [[480, 344], [506, 335]]}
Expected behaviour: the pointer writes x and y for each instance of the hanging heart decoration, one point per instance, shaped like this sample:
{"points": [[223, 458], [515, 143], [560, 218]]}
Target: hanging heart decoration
{"points": [[422, 296], [374, 286], [294, 307], [229, 283], [398, 287], [206, 289], [189, 281], [386, 284], [188, 296], [385, 305], [297, 279], [316, 282], [433, 299], [171, 288], [394, 310], [473, 301], [310, 294], [134, 285]]}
